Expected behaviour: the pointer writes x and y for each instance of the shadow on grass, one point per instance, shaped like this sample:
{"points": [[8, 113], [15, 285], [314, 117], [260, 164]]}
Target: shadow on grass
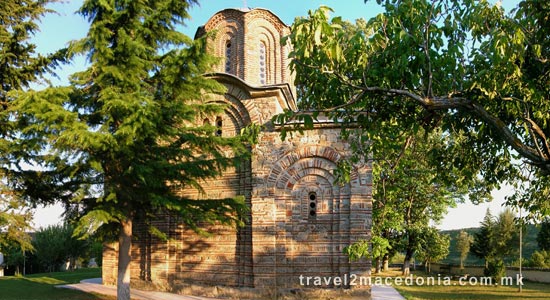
{"points": [[42, 286]]}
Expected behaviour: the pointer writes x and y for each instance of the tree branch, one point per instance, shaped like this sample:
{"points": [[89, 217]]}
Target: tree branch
{"points": [[510, 138], [534, 126], [408, 142], [456, 102]]}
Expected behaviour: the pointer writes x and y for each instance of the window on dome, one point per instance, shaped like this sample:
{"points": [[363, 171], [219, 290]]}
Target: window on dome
{"points": [[228, 56], [263, 64]]}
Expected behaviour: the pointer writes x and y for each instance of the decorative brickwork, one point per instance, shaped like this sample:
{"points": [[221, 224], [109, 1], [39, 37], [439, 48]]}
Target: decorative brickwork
{"points": [[247, 30], [299, 219]]}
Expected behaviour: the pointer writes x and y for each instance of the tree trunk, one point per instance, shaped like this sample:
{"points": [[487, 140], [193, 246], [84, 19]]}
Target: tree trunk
{"points": [[386, 263], [124, 259], [426, 267], [407, 262], [378, 265], [406, 267], [72, 263]]}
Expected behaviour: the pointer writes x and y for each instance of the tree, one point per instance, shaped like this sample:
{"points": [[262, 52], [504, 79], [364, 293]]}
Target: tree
{"points": [[410, 190], [380, 247], [19, 64], [482, 246], [540, 259], [50, 245], [57, 244], [506, 234], [463, 66], [15, 221], [415, 190], [19, 67], [14, 257], [497, 238], [74, 247], [495, 269], [463, 242], [543, 236], [120, 141], [434, 246]]}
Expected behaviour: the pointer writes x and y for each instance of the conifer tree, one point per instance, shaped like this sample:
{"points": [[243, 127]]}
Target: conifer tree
{"points": [[506, 233], [483, 246], [543, 236], [120, 141], [20, 66]]}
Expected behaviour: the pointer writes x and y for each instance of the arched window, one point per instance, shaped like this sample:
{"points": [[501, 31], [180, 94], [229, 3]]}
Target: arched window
{"points": [[312, 206], [263, 64], [219, 125], [228, 56]]}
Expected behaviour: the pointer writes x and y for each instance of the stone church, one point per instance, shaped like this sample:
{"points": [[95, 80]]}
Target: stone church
{"points": [[299, 219]]}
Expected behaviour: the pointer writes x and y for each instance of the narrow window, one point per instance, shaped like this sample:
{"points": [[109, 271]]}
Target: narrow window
{"points": [[263, 63], [219, 125], [228, 57], [312, 206]]}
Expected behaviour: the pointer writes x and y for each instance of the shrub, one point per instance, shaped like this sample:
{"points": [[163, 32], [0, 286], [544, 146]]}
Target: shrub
{"points": [[495, 269], [540, 259]]}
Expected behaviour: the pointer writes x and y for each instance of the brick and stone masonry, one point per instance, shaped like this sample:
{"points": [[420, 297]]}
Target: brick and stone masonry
{"points": [[299, 219]]}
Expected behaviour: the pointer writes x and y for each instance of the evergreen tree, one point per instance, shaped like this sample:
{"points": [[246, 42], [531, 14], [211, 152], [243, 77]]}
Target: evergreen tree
{"points": [[484, 239], [540, 259], [19, 63], [120, 141], [543, 237], [19, 67], [506, 234]]}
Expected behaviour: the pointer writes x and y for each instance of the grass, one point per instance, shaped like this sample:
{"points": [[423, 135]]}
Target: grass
{"points": [[42, 286], [531, 290]]}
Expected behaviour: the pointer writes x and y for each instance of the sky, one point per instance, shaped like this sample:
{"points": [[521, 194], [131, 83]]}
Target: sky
{"points": [[56, 30]]}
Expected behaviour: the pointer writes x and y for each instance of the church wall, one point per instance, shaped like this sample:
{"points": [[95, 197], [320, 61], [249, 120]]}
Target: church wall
{"points": [[287, 242], [281, 239], [220, 257]]}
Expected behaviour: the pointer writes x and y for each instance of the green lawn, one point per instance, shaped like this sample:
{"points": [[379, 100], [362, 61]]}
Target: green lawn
{"points": [[531, 290], [42, 286]]}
